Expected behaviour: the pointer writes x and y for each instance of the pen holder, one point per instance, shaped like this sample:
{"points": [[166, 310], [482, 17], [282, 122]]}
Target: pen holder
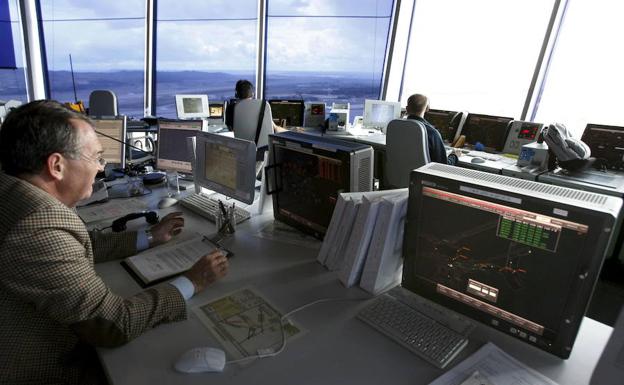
{"points": [[225, 223]]}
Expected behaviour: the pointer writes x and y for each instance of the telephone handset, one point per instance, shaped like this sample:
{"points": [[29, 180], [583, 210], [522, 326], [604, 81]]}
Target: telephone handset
{"points": [[459, 142]]}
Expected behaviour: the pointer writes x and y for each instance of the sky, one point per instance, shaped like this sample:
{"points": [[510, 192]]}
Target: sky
{"points": [[219, 35]]}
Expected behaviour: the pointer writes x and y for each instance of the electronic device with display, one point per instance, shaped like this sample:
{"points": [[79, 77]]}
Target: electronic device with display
{"points": [[314, 115], [287, 113], [521, 133], [449, 123], [306, 174], [217, 111], [606, 143], [490, 131], [226, 165], [172, 153], [520, 256], [113, 141], [192, 106], [378, 113]]}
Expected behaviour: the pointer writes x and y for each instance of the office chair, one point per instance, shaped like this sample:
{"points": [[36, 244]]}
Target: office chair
{"points": [[406, 149], [102, 103], [246, 121]]}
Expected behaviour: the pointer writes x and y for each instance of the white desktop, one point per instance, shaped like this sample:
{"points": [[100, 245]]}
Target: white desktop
{"points": [[378, 113], [192, 106]]}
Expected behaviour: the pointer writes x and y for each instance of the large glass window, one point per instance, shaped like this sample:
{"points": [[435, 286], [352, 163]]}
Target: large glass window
{"points": [[12, 81], [585, 80], [106, 40], [326, 50], [203, 47], [477, 56]]}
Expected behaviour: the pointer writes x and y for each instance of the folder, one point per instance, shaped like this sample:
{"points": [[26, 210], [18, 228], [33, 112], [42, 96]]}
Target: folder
{"points": [[360, 238], [383, 265], [332, 229], [337, 248]]}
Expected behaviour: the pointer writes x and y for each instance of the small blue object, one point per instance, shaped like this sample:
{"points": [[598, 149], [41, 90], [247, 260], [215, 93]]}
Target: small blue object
{"points": [[479, 146]]}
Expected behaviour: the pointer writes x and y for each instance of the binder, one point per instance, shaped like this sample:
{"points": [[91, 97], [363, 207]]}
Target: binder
{"points": [[357, 247], [384, 262]]}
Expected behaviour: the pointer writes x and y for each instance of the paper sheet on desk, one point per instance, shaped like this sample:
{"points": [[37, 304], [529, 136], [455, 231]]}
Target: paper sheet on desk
{"points": [[244, 322], [111, 209], [494, 366]]}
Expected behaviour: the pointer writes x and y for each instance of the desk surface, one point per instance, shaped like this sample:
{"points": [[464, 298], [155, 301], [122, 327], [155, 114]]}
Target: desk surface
{"points": [[337, 349]]}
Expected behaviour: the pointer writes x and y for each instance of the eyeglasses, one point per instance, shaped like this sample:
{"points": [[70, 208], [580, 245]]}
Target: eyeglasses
{"points": [[99, 160]]}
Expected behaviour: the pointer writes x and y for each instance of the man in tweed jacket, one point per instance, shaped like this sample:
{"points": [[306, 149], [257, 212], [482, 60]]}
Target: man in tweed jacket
{"points": [[54, 307]]}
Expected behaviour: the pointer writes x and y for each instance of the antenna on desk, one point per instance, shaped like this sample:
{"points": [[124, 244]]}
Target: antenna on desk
{"points": [[77, 105]]}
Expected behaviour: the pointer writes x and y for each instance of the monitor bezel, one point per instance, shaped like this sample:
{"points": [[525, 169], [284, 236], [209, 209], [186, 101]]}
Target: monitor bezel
{"points": [[122, 139], [183, 115], [487, 148], [580, 290], [187, 168], [368, 107], [246, 170], [299, 102]]}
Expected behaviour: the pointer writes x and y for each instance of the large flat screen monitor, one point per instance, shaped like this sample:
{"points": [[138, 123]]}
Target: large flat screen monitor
{"points": [[378, 113], [447, 122], [192, 106], [226, 165], [114, 139], [287, 113], [172, 153], [490, 131], [519, 256], [309, 172]]}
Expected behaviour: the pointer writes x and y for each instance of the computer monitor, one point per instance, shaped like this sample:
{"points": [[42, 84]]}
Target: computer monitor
{"points": [[519, 256], [192, 106], [226, 165], [309, 172], [172, 153], [490, 131], [377, 113], [217, 110], [314, 115], [114, 149], [287, 113], [447, 123], [606, 143]]}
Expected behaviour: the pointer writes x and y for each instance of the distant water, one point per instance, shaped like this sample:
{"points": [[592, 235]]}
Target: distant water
{"points": [[128, 86]]}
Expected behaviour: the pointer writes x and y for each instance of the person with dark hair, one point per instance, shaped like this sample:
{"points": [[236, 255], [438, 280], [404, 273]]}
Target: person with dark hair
{"points": [[55, 307], [243, 90], [417, 105]]}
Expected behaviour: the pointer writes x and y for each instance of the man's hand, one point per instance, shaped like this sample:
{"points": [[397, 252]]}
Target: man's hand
{"points": [[207, 270], [168, 227]]}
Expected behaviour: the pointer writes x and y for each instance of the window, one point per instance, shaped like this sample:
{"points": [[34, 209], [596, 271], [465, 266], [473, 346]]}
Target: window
{"points": [[203, 47], [106, 40], [585, 81], [324, 50], [13, 81], [477, 56]]}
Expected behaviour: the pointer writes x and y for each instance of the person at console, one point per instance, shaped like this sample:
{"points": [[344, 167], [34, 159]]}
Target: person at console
{"points": [[243, 90], [417, 105], [55, 307]]}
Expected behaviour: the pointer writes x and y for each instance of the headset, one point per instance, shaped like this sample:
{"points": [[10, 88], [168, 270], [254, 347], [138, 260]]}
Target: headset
{"points": [[119, 224]]}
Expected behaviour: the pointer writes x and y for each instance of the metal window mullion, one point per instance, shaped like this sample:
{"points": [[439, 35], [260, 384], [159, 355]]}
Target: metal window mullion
{"points": [[261, 51], [37, 86], [540, 73], [385, 77], [149, 84]]}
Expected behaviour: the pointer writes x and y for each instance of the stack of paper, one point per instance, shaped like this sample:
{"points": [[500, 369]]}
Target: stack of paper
{"points": [[353, 229]]}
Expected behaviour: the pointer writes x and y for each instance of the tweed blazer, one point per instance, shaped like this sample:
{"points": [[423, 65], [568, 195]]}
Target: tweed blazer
{"points": [[52, 301]]}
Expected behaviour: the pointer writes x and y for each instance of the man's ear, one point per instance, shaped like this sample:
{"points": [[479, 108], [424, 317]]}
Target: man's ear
{"points": [[56, 166]]}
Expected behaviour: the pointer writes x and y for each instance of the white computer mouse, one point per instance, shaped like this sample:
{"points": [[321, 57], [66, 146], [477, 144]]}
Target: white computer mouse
{"points": [[477, 160], [167, 202], [200, 360]]}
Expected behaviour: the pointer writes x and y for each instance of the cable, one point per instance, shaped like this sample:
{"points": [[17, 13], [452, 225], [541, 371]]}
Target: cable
{"points": [[269, 352]]}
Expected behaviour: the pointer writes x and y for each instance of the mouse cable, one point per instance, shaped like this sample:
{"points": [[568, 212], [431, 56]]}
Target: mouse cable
{"points": [[268, 352]]}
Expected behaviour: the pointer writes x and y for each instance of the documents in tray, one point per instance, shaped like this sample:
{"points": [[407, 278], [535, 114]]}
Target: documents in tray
{"points": [[167, 260], [491, 365], [109, 210]]}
